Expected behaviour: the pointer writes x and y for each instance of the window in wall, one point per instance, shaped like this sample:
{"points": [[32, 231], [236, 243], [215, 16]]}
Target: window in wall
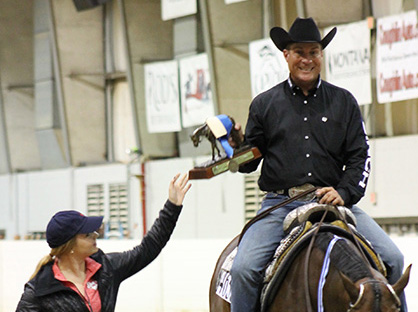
{"points": [[110, 201], [253, 195], [118, 211], [95, 200], [399, 226]]}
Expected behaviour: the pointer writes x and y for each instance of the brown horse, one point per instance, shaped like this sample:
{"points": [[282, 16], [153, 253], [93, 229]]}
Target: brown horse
{"points": [[366, 289]]}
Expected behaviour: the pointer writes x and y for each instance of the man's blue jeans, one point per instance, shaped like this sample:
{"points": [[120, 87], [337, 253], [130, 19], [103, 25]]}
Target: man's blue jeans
{"points": [[262, 238]]}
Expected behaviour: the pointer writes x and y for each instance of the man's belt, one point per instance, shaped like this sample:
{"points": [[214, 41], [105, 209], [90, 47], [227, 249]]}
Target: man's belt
{"points": [[296, 190]]}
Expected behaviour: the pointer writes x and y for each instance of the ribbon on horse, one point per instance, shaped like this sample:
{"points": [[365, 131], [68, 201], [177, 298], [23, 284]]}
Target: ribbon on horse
{"points": [[324, 273]]}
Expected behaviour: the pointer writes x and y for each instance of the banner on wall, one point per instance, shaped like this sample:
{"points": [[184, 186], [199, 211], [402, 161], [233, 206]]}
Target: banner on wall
{"points": [[177, 8], [162, 97], [195, 89], [347, 60], [397, 57], [268, 66]]}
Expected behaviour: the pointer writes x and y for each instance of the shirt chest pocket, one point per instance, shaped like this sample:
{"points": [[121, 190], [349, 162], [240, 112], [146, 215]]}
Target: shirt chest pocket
{"points": [[331, 133]]}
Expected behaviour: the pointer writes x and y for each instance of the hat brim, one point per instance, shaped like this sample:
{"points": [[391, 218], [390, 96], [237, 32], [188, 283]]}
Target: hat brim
{"points": [[282, 39], [92, 224]]}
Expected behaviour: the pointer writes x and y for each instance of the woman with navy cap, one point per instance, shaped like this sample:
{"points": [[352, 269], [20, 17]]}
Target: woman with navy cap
{"points": [[77, 276]]}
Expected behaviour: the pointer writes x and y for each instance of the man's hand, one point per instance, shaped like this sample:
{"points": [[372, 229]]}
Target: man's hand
{"points": [[178, 189], [328, 195], [236, 139]]}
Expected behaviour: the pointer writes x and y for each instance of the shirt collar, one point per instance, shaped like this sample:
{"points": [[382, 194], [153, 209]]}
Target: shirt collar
{"points": [[91, 268], [294, 87]]}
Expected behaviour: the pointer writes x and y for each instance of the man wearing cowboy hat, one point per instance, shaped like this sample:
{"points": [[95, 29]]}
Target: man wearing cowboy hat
{"points": [[310, 133]]}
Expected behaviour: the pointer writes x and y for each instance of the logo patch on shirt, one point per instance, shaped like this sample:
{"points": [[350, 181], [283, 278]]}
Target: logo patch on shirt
{"points": [[92, 285]]}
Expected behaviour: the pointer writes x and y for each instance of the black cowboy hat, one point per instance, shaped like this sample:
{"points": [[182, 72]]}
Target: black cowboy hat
{"points": [[302, 30]]}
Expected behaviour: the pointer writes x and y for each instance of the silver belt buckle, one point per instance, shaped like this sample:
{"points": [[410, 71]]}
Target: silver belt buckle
{"points": [[296, 190]]}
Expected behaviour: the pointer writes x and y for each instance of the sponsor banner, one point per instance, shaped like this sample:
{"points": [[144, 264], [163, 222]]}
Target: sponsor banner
{"points": [[177, 8], [268, 66], [162, 97], [196, 94], [347, 60], [397, 57]]}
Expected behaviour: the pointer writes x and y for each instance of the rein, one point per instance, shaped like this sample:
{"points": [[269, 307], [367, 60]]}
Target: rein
{"points": [[271, 209]]}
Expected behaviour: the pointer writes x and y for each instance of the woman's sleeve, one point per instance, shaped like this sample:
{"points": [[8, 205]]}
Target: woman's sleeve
{"points": [[28, 301], [130, 262]]}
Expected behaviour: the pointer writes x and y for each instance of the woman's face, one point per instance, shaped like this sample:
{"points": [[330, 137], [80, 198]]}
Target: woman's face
{"points": [[85, 244]]}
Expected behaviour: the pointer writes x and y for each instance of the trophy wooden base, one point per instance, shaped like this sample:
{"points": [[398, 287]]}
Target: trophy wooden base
{"points": [[242, 157]]}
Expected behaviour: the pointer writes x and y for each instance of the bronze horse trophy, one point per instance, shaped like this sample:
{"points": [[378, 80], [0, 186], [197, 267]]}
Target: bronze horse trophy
{"points": [[218, 129]]}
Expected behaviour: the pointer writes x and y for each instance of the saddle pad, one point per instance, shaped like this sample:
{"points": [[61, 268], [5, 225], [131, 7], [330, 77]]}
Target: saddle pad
{"points": [[285, 246], [223, 283]]}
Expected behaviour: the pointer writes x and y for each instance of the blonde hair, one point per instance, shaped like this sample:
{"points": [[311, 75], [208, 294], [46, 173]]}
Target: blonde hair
{"points": [[55, 253]]}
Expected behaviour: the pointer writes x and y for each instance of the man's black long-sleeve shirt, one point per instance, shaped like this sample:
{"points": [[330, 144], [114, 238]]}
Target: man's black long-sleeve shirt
{"points": [[318, 139]]}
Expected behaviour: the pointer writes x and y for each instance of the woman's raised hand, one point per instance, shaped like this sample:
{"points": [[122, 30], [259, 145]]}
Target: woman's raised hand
{"points": [[178, 189]]}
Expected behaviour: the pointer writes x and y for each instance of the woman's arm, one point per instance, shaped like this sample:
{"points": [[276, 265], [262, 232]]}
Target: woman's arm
{"points": [[130, 262]]}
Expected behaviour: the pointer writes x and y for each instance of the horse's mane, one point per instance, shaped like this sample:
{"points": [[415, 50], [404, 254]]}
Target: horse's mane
{"points": [[344, 258]]}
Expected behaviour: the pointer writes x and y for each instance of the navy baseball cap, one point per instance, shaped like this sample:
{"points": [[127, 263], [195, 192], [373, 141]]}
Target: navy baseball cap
{"points": [[64, 225]]}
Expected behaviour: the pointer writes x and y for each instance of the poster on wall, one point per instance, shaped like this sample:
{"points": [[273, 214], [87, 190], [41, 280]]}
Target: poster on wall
{"points": [[171, 9], [162, 97], [195, 89], [347, 60], [268, 66], [397, 57]]}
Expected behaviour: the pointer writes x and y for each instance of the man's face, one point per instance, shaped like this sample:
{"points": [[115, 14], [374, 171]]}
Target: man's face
{"points": [[304, 60]]}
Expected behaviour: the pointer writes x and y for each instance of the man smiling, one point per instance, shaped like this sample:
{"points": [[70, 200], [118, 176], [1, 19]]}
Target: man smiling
{"points": [[310, 133]]}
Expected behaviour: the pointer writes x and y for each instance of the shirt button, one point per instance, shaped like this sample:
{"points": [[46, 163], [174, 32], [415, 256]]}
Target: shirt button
{"points": [[308, 155], [305, 119], [305, 102], [309, 174], [306, 137]]}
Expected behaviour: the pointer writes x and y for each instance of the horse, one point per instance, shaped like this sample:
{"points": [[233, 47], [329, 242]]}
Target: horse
{"points": [[204, 131], [351, 284]]}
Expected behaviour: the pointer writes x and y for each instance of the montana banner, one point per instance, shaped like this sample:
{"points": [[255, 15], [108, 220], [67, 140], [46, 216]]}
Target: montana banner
{"points": [[268, 66], [162, 101], [196, 93], [347, 60], [397, 57]]}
